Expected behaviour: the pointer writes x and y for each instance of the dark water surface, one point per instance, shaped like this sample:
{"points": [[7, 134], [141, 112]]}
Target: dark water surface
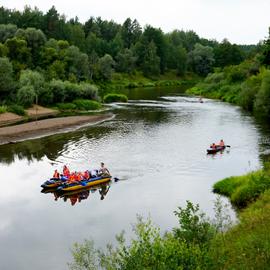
{"points": [[156, 145]]}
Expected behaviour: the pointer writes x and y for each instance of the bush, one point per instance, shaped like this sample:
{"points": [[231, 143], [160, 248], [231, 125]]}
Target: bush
{"points": [[262, 103], [85, 104], [26, 95], [115, 98], [66, 106], [88, 91], [3, 109], [58, 89], [249, 90], [17, 109]]}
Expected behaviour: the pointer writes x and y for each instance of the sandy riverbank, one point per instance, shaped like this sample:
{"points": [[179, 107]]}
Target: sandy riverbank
{"points": [[47, 127]]}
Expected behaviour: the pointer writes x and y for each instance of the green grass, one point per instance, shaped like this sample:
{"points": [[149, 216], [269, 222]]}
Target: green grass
{"points": [[243, 189], [246, 245]]}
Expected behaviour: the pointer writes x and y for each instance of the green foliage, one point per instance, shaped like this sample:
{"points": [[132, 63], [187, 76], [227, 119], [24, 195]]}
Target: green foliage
{"points": [[66, 106], [3, 109], [6, 76], [249, 90], [84, 104], [201, 59], [115, 98], [85, 256], [106, 64], [7, 31], [26, 95], [89, 91], [151, 61], [3, 50], [243, 189], [17, 109], [194, 228], [262, 103]]}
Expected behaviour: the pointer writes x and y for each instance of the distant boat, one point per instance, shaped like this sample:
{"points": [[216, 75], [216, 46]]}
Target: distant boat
{"points": [[215, 150]]}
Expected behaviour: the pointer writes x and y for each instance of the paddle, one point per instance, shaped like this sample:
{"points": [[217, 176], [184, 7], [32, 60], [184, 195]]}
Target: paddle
{"points": [[227, 145]]}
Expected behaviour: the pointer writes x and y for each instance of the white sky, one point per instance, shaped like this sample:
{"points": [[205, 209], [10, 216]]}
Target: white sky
{"points": [[240, 21]]}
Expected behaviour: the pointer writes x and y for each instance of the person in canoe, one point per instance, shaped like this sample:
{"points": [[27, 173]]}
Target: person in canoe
{"points": [[221, 143], [213, 146], [56, 174], [86, 175], [66, 171], [103, 171]]}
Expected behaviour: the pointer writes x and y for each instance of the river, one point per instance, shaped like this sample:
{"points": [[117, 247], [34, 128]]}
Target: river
{"points": [[156, 145]]}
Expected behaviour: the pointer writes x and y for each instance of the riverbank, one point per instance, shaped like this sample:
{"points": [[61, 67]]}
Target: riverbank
{"points": [[47, 127]]}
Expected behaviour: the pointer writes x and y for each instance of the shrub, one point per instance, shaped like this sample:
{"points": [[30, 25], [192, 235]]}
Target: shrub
{"points": [[88, 91], [249, 90], [17, 109], [84, 104], [58, 89], [262, 103], [66, 106], [26, 95], [115, 98]]}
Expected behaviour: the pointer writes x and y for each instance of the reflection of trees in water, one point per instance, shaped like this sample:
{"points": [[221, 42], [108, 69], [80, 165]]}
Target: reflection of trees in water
{"points": [[54, 146], [51, 146]]}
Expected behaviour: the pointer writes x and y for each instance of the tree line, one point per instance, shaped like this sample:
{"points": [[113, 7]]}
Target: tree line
{"points": [[33, 43]]}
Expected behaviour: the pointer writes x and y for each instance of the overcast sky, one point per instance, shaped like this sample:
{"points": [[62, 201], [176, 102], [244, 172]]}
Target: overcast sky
{"points": [[240, 21]]}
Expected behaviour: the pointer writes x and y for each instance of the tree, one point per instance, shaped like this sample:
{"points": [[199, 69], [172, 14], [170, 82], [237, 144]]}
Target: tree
{"points": [[26, 95], [35, 40], [77, 63], [106, 64], [227, 54], [3, 50], [125, 61], [77, 36], [156, 36], [151, 63], [130, 32], [7, 83], [7, 31], [201, 59], [19, 53], [265, 56]]}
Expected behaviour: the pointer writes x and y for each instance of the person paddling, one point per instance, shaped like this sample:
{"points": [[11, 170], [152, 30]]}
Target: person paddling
{"points": [[103, 171], [221, 143]]}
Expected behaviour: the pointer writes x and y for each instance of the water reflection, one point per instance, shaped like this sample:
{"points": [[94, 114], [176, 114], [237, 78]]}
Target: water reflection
{"points": [[79, 195]]}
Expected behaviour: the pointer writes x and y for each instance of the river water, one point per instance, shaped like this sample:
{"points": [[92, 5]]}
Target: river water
{"points": [[156, 145]]}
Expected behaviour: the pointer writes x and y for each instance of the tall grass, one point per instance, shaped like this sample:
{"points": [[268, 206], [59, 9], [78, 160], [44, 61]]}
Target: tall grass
{"points": [[244, 189]]}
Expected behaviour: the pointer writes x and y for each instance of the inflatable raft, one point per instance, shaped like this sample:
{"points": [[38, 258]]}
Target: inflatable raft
{"points": [[64, 187]]}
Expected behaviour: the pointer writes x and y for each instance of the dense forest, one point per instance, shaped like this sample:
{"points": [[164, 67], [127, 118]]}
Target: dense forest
{"points": [[44, 56]]}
